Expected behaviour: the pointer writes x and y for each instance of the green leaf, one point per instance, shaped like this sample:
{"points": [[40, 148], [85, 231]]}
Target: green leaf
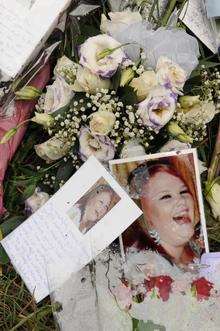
{"points": [[149, 326], [116, 79], [29, 191], [64, 172], [11, 223], [4, 259], [127, 95]]}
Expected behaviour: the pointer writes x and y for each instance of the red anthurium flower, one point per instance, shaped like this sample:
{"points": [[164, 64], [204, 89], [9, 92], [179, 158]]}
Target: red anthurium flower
{"points": [[202, 288], [163, 283]]}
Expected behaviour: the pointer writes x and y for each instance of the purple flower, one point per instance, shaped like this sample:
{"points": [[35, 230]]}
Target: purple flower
{"points": [[157, 109], [102, 55]]}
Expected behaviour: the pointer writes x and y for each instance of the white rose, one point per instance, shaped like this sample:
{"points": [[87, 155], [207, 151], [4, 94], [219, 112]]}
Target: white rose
{"points": [[102, 122], [52, 149], [170, 74], [99, 146], [157, 109], [118, 20], [213, 197], [132, 148], [86, 81], [36, 200], [143, 84], [58, 95], [102, 55]]}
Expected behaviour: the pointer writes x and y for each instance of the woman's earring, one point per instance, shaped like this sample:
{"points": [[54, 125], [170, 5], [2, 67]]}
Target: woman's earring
{"points": [[155, 235]]}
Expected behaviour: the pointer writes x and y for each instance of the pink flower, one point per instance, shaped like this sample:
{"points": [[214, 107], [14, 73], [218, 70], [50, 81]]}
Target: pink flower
{"points": [[123, 296], [22, 112]]}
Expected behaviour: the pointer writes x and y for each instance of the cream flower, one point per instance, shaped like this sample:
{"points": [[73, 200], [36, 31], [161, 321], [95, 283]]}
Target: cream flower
{"points": [[52, 149], [170, 74], [58, 95], [213, 198], [46, 120], [157, 109], [99, 146], [118, 20], [174, 145], [203, 111], [102, 55], [132, 148], [143, 84], [102, 122], [63, 65], [86, 81], [36, 200]]}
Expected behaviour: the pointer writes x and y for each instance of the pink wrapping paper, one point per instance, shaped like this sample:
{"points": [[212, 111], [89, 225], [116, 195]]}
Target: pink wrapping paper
{"points": [[22, 112]]}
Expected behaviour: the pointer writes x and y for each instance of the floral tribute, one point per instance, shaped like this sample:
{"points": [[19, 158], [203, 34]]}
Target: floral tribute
{"points": [[132, 84]]}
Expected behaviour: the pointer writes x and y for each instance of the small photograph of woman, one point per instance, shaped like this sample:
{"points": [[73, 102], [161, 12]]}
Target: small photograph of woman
{"points": [[166, 190], [93, 206]]}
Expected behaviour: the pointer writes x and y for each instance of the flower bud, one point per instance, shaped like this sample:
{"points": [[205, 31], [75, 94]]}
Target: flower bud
{"points": [[175, 130], [126, 76], [43, 119], [213, 197], [28, 93], [8, 135], [189, 101]]}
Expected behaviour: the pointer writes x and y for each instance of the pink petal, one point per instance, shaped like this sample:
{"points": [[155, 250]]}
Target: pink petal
{"points": [[22, 112]]}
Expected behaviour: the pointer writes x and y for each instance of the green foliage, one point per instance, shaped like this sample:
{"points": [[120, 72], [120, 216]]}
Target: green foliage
{"points": [[139, 325]]}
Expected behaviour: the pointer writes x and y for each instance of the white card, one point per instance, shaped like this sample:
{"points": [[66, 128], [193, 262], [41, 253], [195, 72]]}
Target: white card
{"points": [[24, 26], [77, 223], [194, 16]]}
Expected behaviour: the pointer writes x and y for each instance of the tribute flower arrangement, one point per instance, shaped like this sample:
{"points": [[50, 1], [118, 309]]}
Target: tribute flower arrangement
{"points": [[123, 89]]}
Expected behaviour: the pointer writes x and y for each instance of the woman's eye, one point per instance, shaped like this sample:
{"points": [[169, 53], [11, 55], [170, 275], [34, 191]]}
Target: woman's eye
{"points": [[184, 191], [165, 197]]}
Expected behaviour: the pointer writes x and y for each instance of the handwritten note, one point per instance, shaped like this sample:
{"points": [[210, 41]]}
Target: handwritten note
{"points": [[194, 16], [50, 236], [24, 25]]}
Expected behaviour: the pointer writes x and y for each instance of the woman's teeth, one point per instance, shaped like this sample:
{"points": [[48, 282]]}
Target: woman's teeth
{"points": [[183, 219]]}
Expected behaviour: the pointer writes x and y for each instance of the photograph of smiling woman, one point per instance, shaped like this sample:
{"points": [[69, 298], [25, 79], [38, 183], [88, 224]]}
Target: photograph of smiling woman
{"points": [[165, 188], [93, 206]]}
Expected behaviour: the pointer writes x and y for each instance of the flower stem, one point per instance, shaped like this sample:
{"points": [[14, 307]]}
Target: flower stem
{"points": [[214, 168], [168, 12]]}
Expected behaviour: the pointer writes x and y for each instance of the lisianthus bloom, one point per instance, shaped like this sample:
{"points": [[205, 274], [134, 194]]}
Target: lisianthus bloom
{"points": [[170, 74], [58, 95], [158, 108], [162, 283], [99, 146], [123, 295], [118, 20], [102, 55], [36, 200], [213, 198], [52, 149], [144, 83], [177, 132], [202, 288], [86, 81], [102, 122]]}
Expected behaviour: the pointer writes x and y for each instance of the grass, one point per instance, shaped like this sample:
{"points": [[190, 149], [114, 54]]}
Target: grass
{"points": [[18, 311]]}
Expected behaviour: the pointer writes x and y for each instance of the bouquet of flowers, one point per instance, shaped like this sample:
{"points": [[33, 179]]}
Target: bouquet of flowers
{"points": [[124, 83]]}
